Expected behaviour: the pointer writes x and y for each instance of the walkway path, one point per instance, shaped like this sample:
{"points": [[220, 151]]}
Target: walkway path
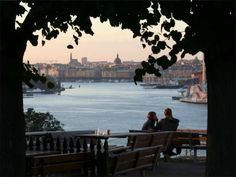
{"points": [[174, 168]]}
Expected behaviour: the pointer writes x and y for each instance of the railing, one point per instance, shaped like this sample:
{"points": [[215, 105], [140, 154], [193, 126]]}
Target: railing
{"points": [[71, 142], [64, 142], [52, 143]]}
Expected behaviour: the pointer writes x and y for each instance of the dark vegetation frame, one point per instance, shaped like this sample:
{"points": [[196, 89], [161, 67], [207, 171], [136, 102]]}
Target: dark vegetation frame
{"points": [[211, 30]]}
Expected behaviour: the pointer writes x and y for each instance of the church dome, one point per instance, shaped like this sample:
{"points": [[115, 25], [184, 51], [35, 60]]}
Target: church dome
{"points": [[117, 60]]}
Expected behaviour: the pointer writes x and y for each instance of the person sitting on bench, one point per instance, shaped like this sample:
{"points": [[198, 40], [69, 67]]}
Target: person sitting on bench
{"points": [[169, 123], [151, 122]]}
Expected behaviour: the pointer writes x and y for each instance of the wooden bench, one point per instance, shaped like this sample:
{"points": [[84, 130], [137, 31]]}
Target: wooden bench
{"points": [[200, 145], [62, 163], [137, 159], [188, 140], [150, 139], [161, 138], [140, 140]]}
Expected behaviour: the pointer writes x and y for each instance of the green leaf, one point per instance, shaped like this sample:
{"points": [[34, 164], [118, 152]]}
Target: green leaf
{"points": [[176, 36], [138, 77], [163, 62], [43, 42], [20, 10], [172, 22], [151, 59], [155, 49], [183, 54], [157, 73], [161, 45], [166, 25], [18, 23], [76, 39], [70, 46], [147, 34], [156, 37], [34, 40], [173, 59]]}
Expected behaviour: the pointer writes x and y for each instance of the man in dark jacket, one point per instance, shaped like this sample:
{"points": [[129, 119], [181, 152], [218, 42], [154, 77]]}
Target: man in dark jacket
{"points": [[169, 123]]}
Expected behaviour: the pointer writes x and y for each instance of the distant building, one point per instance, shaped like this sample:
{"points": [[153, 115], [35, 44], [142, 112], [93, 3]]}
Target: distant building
{"points": [[73, 62], [117, 60], [84, 60]]}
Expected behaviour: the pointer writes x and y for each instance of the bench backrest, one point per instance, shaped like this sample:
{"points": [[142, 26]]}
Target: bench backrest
{"points": [[161, 138], [59, 163], [179, 138], [142, 140], [150, 139], [140, 158], [188, 138]]}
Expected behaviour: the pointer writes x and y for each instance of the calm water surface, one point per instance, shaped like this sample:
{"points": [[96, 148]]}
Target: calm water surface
{"points": [[117, 106]]}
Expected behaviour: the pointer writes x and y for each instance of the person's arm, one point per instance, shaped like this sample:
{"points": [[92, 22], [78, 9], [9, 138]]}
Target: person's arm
{"points": [[159, 128], [145, 126]]}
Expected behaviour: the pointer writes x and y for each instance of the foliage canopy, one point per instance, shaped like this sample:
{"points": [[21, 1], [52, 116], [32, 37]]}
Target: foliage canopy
{"points": [[139, 17], [37, 121]]}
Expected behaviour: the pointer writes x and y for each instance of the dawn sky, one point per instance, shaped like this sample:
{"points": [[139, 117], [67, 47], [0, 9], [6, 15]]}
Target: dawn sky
{"points": [[106, 42]]}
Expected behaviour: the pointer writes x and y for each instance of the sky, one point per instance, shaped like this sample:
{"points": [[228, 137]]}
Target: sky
{"points": [[104, 45]]}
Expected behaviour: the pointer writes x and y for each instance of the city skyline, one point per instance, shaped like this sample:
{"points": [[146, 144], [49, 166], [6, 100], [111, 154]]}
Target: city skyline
{"points": [[106, 42], [104, 45]]}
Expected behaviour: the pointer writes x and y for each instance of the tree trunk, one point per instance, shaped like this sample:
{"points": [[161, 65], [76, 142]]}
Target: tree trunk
{"points": [[221, 71], [12, 126]]}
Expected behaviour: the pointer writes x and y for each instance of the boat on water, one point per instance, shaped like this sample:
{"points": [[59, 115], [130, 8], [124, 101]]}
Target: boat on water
{"points": [[160, 86], [28, 95], [195, 94], [194, 100], [31, 91], [168, 86], [182, 92]]}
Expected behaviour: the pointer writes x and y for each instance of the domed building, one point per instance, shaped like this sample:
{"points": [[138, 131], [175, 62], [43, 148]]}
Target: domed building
{"points": [[117, 60]]}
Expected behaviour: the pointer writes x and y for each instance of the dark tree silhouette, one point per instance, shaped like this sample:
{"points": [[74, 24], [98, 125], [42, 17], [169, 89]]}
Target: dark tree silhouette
{"points": [[211, 30], [38, 121]]}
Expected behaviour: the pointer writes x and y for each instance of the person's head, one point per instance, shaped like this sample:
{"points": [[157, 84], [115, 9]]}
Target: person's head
{"points": [[152, 116], [168, 112]]}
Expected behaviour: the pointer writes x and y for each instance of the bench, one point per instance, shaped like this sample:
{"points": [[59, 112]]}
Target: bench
{"points": [[150, 139], [62, 163], [188, 140], [137, 159]]}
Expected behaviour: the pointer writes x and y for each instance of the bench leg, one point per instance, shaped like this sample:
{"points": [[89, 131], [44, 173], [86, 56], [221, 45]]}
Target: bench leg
{"points": [[195, 155], [143, 173]]}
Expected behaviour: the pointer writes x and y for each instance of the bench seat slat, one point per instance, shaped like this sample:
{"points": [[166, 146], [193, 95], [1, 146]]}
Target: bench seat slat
{"points": [[50, 164], [134, 160]]}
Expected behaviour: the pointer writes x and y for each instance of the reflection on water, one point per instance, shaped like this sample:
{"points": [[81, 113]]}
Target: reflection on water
{"points": [[117, 106]]}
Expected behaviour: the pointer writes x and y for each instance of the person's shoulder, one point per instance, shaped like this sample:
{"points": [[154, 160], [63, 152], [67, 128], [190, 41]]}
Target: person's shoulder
{"points": [[176, 120], [161, 120]]}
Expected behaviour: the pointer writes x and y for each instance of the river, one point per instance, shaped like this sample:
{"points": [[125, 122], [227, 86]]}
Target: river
{"points": [[115, 106]]}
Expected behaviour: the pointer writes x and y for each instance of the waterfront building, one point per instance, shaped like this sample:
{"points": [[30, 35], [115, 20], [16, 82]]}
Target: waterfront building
{"points": [[182, 72], [84, 60], [73, 62], [48, 70], [117, 60]]}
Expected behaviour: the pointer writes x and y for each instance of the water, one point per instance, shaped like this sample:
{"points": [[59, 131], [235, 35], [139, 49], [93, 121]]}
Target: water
{"points": [[115, 106]]}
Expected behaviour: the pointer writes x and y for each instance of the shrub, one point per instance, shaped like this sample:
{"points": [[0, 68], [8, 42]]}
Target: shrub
{"points": [[37, 121]]}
